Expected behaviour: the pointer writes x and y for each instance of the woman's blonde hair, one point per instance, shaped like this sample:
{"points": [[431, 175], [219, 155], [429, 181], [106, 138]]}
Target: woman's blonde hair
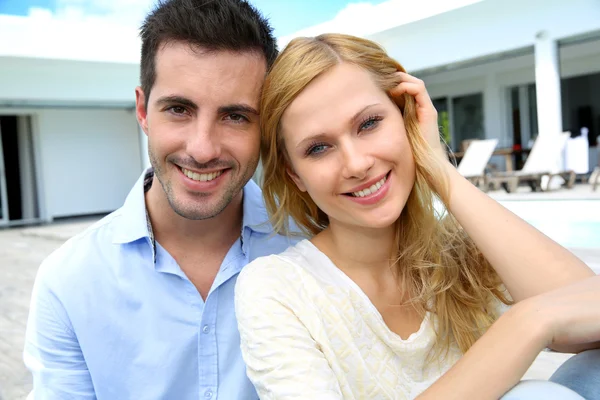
{"points": [[437, 264]]}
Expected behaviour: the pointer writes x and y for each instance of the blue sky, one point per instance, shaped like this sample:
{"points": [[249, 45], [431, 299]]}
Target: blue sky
{"points": [[287, 16]]}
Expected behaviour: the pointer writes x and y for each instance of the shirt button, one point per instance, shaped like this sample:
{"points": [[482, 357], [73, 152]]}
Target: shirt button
{"points": [[208, 394], [206, 329]]}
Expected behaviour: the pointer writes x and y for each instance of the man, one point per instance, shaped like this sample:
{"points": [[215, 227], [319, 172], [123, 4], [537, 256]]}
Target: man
{"points": [[140, 306]]}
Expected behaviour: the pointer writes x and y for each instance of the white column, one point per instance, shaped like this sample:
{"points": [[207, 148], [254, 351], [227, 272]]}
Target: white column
{"points": [[547, 81], [28, 195]]}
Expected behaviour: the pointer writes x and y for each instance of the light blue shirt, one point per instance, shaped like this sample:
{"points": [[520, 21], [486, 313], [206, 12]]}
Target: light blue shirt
{"points": [[114, 317]]}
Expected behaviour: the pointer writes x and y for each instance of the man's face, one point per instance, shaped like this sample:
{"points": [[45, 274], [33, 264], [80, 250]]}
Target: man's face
{"points": [[202, 125]]}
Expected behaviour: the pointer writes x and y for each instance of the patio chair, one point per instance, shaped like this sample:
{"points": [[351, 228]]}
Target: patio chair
{"points": [[476, 158], [542, 162]]}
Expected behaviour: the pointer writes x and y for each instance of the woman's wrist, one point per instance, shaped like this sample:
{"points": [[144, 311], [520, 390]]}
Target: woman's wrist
{"points": [[530, 320]]}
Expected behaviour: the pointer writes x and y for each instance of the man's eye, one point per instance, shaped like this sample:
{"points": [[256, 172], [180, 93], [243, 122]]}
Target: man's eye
{"points": [[177, 109], [237, 118]]}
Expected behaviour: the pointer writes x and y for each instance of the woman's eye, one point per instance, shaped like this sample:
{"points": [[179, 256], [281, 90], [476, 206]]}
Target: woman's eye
{"points": [[370, 123], [316, 149]]}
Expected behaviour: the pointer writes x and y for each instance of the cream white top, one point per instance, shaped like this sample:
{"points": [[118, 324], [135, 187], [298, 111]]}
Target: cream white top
{"points": [[309, 332]]}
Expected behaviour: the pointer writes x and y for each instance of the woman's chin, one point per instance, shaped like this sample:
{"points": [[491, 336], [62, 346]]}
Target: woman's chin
{"points": [[383, 222]]}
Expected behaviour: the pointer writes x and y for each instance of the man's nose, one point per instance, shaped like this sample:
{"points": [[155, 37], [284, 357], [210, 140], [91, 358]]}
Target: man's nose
{"points": [[204, 144]]}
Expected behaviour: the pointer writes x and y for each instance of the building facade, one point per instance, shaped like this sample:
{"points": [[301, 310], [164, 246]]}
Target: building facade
{"points": [[508, 69], [71, 145]]}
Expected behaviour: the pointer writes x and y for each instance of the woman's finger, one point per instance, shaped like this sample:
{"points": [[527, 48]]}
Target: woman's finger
{"points": [[415, 89]]}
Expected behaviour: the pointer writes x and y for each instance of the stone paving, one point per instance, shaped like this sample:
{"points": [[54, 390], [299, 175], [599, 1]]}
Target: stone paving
{"points": [[23, 249]]}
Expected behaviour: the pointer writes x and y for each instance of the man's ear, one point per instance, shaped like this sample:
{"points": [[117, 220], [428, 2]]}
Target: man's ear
{"points": [[296, 179], [141, 109]]}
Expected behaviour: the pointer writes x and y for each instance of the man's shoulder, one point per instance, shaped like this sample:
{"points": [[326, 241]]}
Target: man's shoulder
{"points": [[89, 247]]}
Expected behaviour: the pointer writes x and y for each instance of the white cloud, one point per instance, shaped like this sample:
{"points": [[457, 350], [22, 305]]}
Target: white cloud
{"points": [[364, 18], [122, 12], [94, 30], [107, 30]]}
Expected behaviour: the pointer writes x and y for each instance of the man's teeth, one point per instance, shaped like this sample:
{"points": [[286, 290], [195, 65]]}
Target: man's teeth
{"points": [[201, 177], [374, 188]]}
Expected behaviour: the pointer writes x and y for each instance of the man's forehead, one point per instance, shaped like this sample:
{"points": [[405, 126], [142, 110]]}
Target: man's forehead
{"points": [[220, 76], [174, 50]]}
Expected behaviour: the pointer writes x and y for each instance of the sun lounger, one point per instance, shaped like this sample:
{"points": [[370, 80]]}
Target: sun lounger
{"points": [[542, 162], [476, 158]]}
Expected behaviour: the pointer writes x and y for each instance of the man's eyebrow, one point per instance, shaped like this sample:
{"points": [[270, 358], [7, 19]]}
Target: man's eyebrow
{"points": [[236, 108], [177, 100]]}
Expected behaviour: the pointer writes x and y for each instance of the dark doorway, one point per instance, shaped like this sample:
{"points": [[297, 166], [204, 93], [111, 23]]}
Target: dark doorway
{"points": [[10, 145]]}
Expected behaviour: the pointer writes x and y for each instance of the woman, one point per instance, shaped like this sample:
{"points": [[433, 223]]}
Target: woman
{"points": [[390, 298]]}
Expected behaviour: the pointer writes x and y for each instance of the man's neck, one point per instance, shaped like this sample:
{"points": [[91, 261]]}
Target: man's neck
{"points": [[171, 229]]}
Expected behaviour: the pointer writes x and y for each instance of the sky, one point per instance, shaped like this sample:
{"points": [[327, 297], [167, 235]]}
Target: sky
{"points": [[108, 30], [286, 16]]}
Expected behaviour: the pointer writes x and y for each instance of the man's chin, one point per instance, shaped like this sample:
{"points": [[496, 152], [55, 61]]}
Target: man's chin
{"points": [[196, 215], [199, 206]]}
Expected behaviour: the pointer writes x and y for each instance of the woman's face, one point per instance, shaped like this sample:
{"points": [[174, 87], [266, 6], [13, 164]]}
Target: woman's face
{"points": [[348, 148]]}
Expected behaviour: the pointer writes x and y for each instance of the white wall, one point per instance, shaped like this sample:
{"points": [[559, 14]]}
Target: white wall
{"points": [[488, 27], [89, 159], [35, 81]]}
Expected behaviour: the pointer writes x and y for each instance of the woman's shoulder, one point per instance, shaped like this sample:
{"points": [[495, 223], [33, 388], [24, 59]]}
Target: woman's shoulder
{"points": [[271, 283], [273, 272], [300, 273], [299, 259]]}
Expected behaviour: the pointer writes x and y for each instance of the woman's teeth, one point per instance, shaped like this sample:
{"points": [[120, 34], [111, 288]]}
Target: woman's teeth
{"points": [[201, 177], [374, 188]]}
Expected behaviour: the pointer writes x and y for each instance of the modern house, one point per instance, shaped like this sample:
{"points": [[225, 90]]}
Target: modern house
{"points": [[70, 140], [505, 69]]}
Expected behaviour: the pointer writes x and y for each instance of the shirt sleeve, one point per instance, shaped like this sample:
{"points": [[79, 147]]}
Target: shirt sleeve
{"points": [[283, 360], [52, 353]]}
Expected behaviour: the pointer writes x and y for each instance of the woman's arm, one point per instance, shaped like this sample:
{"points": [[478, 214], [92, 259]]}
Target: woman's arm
{"points": [[527, 261], [495, 363], [283, 360], [498, 360]]}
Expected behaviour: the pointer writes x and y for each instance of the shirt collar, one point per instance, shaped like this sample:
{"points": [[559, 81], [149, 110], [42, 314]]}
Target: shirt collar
{"points": [[255, 214], [134, 223]]}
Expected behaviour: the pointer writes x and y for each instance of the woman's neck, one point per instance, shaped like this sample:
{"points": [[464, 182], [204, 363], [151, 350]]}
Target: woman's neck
{"points": [[353, 248]]}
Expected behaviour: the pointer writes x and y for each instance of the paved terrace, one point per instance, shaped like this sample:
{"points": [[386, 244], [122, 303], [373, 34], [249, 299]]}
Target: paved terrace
{"points": [[23, 249]]}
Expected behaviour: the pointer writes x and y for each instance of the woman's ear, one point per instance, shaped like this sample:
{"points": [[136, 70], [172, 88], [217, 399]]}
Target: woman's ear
{"points": [[296, 179]]}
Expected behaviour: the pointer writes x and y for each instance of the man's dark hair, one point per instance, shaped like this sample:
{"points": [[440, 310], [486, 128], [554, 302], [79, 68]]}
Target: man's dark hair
{"points": [[210, 24]]}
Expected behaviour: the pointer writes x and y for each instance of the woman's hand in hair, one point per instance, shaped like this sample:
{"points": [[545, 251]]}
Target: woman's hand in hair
{"points": [[426, 112]]}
